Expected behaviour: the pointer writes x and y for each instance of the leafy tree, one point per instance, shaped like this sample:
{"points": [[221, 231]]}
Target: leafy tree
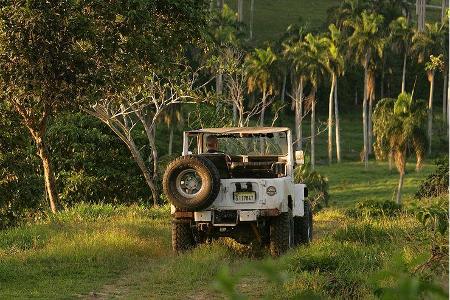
{"points": [[398, 127], [41, 60], [259, 65], [428, 46], [54, 55], [366, 43]]}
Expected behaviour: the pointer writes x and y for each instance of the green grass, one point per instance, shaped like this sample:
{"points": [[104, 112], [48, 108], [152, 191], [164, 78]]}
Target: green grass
{"points": [[350, 183], [107, 251], [271, 18]]}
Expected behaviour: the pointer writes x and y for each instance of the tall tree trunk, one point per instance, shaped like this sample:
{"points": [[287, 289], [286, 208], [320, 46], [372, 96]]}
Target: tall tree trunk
{"points": [[49, 175], [234, 114], [252, 11], [148, 177], [369, 121], [283, 86], [155, 169], [444, 98], [150, 131], [430, 110], [263, 110], [313, 128], [338, 129], [299, 114], [330, 119], [404, 73], [365, 150], [383, 67], [443, 6], [240, 10], [391, 160], [399, 189], [356, 97], [170, 140], [219, 83]]}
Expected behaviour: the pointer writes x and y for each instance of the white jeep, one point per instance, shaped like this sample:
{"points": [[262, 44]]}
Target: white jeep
{"points": [[238, 183]]}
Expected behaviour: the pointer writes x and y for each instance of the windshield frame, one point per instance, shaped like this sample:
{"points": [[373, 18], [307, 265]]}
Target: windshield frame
{"points": [[285, 150]]}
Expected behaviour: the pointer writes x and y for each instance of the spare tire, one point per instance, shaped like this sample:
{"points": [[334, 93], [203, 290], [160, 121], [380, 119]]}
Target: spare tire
{"points": [[191, 182]]}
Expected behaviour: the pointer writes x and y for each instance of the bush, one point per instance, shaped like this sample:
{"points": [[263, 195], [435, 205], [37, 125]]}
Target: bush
{"points": [[317, 185], [437, 182], [373, 208], [92, 165]]}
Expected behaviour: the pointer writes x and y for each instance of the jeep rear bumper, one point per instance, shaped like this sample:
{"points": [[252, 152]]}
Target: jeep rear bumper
{"points": [[226, 217]]}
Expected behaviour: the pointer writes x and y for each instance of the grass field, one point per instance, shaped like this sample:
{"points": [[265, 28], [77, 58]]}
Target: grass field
{"points": [[271, 18], [104, 251]]}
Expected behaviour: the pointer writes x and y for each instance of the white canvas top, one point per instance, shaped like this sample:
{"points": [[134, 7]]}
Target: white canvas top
{"points": [[238, 130]]}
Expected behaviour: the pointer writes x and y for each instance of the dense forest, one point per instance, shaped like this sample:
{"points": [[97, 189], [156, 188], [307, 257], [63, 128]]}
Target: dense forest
{"points": [[104, 128]]}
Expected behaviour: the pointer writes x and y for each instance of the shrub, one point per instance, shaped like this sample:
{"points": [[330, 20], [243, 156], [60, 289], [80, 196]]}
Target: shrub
{"points": [[317, 185], [92, 164], [437, 182]]}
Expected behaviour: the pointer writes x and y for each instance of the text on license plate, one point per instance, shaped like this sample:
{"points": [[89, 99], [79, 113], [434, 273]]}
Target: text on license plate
{"points": [[244, 196]]}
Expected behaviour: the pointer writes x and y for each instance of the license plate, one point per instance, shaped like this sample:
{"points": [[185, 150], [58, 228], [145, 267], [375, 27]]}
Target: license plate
{"points": [[244, 197]]}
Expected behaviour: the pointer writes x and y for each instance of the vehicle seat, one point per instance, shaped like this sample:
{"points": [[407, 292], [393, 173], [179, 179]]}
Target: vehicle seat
{"points": [[220, 161]]}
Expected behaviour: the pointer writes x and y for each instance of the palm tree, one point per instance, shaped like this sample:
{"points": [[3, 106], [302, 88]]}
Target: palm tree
{"points": [[367, 43], [401, 32], [398, 127], [335, 66], [315, 48], [294, 49], [429, 46], [348, 10], [260, 76]]}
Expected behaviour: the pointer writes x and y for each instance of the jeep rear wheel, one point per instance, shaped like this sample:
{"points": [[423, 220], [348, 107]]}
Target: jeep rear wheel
{"points": [[191, 182], [281, 233], [182, 236], [303, 226]]}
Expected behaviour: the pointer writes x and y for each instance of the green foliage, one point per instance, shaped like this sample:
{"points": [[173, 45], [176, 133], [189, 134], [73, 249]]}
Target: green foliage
{"points": [[398, 125], [224, 27], [206, 116], [373, 209], [367, 41], [436, 183], [21, 188], [91, 163], [317, 185], [412, 288], [260, 75]]}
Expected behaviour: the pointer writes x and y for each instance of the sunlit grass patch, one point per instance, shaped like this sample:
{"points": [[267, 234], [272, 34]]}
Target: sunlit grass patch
{"points": [[79, 250]]}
